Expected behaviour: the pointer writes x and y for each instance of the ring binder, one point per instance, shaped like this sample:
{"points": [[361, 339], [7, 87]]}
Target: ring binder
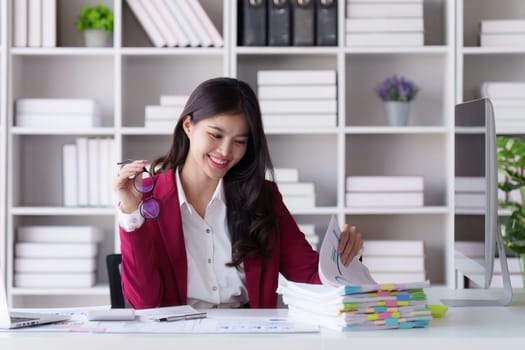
{"points": [[279, 23], [252, 14], [303, 22], [326, 22]]}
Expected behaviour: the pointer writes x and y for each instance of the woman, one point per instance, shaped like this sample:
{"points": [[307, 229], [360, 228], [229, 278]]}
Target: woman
{"points": [[223, 234]]}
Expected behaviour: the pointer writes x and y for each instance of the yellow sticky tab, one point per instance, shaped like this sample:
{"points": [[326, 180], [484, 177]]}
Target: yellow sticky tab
{"points": [[387, 286]]}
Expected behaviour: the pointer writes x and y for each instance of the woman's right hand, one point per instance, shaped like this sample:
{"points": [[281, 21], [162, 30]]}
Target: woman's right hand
{"points": [[129, 198]]}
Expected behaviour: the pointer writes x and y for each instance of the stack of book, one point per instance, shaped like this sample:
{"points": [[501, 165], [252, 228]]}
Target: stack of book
{"points": [[384, 191], [298, 98], [358, 307], [395, 260], [502, 33], [297, 195], [57, 113], [469, 192], [56, 256], [87, 168], [165, 115], [176, 23], [34, 23], [384, 23], [310, 235], [350, 299], [508, 100]]}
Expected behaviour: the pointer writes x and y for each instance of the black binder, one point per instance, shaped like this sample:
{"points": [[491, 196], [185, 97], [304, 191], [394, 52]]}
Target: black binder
{"points": [[279, 22], [326, 26], [252, 16], [303, 22]]}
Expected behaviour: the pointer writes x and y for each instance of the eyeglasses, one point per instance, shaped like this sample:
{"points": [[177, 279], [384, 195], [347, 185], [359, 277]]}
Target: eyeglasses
{"points": [[144, 183]]}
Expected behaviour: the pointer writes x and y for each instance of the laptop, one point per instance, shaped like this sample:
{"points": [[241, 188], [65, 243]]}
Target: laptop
{"points": [[22, 319]]}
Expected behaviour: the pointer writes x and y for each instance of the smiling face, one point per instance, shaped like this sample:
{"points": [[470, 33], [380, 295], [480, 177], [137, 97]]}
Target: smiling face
{"points": [[217, 144]]}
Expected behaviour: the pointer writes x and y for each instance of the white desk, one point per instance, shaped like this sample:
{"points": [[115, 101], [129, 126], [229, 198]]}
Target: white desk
{"points": [[477, 328]]}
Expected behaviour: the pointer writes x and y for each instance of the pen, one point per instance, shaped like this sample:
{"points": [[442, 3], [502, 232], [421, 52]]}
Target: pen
{"points": [[125, 161], [171, 318]]}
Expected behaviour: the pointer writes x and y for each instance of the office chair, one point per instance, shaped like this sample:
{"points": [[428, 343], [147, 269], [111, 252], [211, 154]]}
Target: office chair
{"points": [[113, 262]]}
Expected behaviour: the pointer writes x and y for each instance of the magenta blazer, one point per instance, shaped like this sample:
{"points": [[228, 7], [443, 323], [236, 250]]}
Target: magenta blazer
{"points": [[154, 265]]}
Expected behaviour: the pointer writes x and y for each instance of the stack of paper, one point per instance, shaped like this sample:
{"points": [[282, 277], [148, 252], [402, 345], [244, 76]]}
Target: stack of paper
{"points": [[384, 191], [165, 115], [502, 33], [297, 195], [56, 256], [298, 98], [508, 100], [57, 113], [350, 299], [384, 23], [395, 260]]}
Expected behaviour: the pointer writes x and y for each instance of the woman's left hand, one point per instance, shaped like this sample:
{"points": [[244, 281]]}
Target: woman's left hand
{"points": [[350, 244]]}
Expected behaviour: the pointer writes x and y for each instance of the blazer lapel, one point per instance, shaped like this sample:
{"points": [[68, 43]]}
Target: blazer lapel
{"points": [[170, 225]]}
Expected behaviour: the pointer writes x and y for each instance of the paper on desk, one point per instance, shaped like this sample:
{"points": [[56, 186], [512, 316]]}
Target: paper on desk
{"points": [[331, 269]]}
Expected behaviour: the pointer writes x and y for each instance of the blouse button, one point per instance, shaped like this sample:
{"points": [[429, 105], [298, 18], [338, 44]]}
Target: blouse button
{"points": [[214, 288], [207, 230], [209, 261]]}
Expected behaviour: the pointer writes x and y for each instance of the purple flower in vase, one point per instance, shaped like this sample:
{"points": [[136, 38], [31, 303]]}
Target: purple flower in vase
{"points": [[397, 88]]}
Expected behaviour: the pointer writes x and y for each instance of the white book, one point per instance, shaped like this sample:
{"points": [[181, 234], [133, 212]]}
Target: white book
{"points": [[384, 199], [160, 23], [186, 26], [384, 39], [282, 175], [502, 26], [57, 105], [296, 77], [171, 113], [306, 91], [384, 24], [60, 121], [502, 40], [82, 171], [55, 265], [469, 200], [328, 120], [384, 183], [296, 106], [159, 124], [147, 23], [195, 23], [299, 202], [297, 188], [509, 114], [93, 172], [516, 281], [105, 148], [60, 234], [469, 184], [69, 175], [55, 250], [396, 277], [395, 264], [20, 19], [355, 9], [501, 102], [393, 248], [54, 280], [49, 23], [173, 100], [171, 23], [34, 34], [206, 22], [503, 89], [513, 263]]}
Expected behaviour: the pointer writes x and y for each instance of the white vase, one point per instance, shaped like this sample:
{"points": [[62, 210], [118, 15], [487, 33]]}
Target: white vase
{"points": [[97, 38], [397, 113]]}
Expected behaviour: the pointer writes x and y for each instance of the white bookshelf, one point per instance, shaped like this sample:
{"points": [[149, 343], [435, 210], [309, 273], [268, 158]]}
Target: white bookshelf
{"points": [[3, 132], [133, 73]]}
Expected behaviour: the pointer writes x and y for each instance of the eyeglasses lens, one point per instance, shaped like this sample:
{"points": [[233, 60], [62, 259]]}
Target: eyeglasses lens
{"points": [[150, 208]]}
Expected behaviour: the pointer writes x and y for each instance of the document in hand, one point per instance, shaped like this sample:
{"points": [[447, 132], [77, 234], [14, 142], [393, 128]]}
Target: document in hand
{"points": [[350, 299]]}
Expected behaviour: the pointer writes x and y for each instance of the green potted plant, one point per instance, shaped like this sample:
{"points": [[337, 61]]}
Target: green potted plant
{"points": [[397, 92], [511, 163], [97, 24]]}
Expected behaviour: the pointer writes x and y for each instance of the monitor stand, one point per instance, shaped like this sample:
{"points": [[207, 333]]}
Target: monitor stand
{"points": [[504, 299]]}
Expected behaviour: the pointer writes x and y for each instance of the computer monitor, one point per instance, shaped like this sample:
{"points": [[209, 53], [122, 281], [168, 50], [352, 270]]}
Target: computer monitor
{"points": [[477, 233]]}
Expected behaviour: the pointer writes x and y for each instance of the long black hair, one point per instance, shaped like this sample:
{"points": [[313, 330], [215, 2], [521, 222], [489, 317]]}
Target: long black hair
{"points": [[249, 207]]}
